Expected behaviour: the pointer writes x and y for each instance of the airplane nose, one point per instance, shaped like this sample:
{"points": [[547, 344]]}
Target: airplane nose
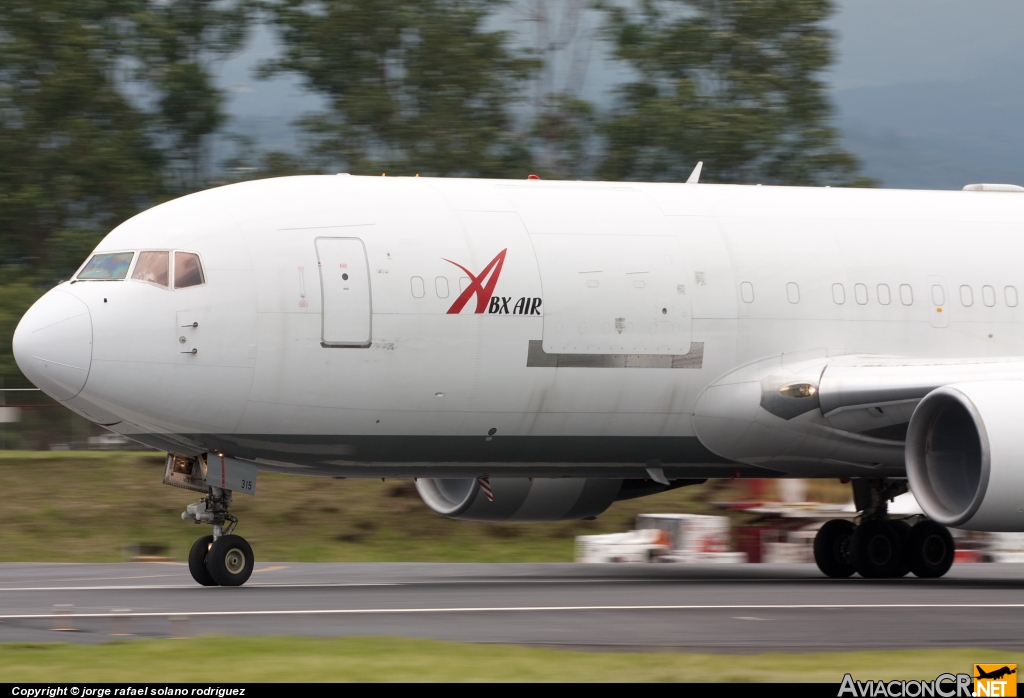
{"points": [[53, 344]]}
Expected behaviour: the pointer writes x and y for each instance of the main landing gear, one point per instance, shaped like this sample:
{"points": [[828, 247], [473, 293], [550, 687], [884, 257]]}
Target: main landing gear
{"points": [[880, 547], [222, 559]]}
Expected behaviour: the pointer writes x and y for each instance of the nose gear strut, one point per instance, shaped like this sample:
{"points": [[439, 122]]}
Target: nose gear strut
{"points": [[213, 510]]}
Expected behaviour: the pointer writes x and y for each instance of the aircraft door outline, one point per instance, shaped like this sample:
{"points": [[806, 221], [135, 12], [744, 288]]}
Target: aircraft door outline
{"points": [[346, 306]]}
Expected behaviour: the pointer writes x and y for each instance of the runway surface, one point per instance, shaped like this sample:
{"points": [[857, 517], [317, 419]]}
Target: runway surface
{"points": [[738, 608]]}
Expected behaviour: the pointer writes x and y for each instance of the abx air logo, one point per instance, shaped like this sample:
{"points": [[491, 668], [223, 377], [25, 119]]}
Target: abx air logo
{"points": [[482, 286]]}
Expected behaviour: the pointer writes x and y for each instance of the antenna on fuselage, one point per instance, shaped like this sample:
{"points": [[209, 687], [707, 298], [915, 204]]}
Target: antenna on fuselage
{"points": [[695, 175]]}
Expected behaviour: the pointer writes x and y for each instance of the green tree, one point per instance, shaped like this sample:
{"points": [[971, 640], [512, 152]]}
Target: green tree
{"points": [[735, 83], [174, 44], [565, 134], [75, 152], [100, 102], [97, 100], [413, 85]]}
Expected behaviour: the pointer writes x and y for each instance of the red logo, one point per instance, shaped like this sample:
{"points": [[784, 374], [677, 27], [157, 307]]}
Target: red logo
{"points": [[483, 292]]}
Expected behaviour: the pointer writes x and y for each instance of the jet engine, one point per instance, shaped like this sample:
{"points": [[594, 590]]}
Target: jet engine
{"points": [[532, 499], [965, 455]]}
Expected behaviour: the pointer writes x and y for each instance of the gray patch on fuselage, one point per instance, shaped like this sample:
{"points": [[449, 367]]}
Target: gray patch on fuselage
{"points": [[536, 357]]}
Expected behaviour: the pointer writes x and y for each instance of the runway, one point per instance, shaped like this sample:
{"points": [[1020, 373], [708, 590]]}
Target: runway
{"points": [[732, 608]]}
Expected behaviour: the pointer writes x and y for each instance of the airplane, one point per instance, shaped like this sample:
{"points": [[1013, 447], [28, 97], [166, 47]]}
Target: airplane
{"points": [[538, 350], [995, 673]]}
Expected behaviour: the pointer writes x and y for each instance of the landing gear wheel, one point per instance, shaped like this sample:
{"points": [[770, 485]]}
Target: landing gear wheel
{"points": [[902, 529], [876, 549], [930, 549], [832, 548], [230, 561], [197, 562]]}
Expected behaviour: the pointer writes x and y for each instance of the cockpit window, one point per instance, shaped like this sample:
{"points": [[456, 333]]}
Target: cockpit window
{"points": [[187, 270], [107, 267], [153, 267]]}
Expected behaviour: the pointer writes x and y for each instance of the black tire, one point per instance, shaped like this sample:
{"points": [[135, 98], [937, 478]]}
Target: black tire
{"points": [[930, 549], [876, 549], [230, 561], [197, 562], [903, 531], [832, 548]]}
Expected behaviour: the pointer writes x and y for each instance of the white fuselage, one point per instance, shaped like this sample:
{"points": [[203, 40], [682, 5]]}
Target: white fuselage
{"points": [[539, 328]]}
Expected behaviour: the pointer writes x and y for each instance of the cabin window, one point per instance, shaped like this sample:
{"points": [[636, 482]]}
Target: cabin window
{"points": [[883, 294], [938, 295], [463, 283], [792, 292], [747, 292], [838, 293], [187, 270], [441, 287], [906, 294], [966, 296], [417, 287], [1011, 296], [860, 293], [988, 296], [153, 268], [106, 267]]}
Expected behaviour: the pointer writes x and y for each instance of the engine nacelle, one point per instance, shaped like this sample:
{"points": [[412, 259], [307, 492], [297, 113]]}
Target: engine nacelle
{"points": [[534, 499], [965, 455], [519, 498]]}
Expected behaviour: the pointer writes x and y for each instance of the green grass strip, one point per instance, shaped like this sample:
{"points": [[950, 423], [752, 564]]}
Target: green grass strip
{"points": [[228, 659]]}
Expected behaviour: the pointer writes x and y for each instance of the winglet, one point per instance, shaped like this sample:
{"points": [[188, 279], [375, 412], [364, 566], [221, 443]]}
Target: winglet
{"points": [[695, 175]]}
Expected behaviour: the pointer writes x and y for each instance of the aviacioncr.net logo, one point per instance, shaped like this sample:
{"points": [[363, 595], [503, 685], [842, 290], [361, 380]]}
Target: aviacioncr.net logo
{"points": [[943, 686]]}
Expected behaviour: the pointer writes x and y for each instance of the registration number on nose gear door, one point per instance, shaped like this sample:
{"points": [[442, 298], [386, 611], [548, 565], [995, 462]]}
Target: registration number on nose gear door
{"points": [[231, 474]]}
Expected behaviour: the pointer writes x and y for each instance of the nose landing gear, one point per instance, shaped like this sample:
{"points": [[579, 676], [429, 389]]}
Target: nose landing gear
{"points": [[222, 559], [197, 562], [880, 547], [230, 561]]}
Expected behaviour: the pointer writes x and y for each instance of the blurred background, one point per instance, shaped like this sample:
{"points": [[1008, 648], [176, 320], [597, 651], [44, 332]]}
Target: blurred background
{"points": [[110, 107]]}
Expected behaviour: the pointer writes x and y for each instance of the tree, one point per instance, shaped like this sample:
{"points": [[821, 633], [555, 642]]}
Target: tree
{"points": [[75, 152], [98, 99], [565, 130], [735, 83], [173, 43], [413, 85], [100, 102]]}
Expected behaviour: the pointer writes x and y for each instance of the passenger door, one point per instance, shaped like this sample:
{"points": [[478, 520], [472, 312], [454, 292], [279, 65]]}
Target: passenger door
{"points": [[345, 289]]}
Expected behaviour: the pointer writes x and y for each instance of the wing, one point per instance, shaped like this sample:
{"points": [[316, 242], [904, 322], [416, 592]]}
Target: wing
{"points": [[950, 426]]}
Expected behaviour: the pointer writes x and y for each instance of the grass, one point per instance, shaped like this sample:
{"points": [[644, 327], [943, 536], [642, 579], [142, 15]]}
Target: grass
{"points": [[393, 659], [86, 506]]}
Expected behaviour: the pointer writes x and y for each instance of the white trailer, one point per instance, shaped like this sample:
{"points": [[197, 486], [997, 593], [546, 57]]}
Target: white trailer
{"points": [[693, 537], [663, 538]]}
